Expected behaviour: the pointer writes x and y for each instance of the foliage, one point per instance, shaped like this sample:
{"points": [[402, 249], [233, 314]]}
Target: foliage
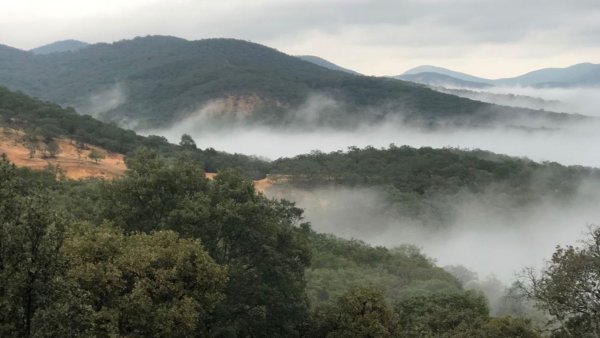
{"points": [[36, 298], [163, 79], [339, 265], [144, 285], [96, 155], [425, 183], [451, 314], [360, 312], [187, 142], [569, 289], [164, 252], [47, 121], [256, 238]]}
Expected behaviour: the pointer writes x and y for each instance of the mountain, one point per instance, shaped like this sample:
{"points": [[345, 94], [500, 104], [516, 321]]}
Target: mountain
{"points": [[441, 80], [155, 81], [583, 74], [45, 123], [447, 72], [324, 63], [60, 47]]}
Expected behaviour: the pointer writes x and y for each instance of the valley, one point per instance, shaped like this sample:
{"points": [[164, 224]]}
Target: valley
{"points": [[161, 186]]}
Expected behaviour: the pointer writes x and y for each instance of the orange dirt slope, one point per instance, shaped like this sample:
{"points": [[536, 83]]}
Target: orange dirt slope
{"points": [[74, 165]]}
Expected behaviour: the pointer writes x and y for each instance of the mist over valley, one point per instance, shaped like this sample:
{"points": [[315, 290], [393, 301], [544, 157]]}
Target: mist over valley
{"points": [[202, 169]]}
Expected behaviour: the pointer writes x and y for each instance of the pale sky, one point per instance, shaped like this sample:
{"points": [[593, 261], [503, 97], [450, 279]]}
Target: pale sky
{"points": [[488, 38]]}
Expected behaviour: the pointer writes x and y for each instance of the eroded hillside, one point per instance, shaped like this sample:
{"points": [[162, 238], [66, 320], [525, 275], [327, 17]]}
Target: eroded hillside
{"points": [[71, 157]]}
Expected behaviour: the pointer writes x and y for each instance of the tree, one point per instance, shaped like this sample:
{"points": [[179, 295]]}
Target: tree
{"points": [[441, 314], [34, 291], [32, 146], [52, 149], [507, 327], [258, 239], [360, 312], [569, 288], [96, 155], [144, 285], [187, 142]]}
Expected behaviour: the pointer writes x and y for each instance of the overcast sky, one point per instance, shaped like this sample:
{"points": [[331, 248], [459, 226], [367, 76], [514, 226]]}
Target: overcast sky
{"points": [[489, 38]]}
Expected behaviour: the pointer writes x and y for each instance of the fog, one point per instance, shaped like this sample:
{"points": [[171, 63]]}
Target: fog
{"points": [[572, 145], [103, 100], [577, 100], [489, 235]]}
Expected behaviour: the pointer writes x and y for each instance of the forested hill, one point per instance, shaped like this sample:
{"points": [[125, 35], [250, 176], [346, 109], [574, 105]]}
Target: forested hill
{"points": [[163, 252], [47, 121], [424, 172], [154, 81]]}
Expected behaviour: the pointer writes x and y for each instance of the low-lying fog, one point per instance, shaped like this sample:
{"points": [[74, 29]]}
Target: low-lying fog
{"points": [[576, 145], [488, 235], [485, 237]]}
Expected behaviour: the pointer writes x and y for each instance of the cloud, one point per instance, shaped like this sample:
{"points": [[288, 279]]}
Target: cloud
{"points": [[375, 36], [489, 234]]}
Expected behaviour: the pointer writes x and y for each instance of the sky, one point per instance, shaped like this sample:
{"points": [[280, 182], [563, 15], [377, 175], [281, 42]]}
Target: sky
{"points": [[488, 38]]}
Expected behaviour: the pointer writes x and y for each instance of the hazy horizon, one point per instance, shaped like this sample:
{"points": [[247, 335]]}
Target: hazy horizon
{"points": [[381, 37]]}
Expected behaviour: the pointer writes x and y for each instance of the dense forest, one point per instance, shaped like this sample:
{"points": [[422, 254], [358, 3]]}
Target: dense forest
{"points": [[165, 252], [156, 81], [426, 183]]}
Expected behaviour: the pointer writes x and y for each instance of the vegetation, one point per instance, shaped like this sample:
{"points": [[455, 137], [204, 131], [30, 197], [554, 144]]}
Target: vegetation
{"points": [[426, 183], [165, 252], [47, 121], [569, 288], [155, 81], [96, 155]]}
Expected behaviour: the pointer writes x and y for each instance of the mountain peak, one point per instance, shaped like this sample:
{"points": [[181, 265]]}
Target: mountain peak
{"points": [[60, 47], [325, 63]]}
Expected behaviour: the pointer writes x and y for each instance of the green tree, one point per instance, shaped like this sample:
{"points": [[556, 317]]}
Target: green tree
{"points": [[360, 312], [52, 149], [36, 299], [441, 314], [144, 285], [187, 142], [569, 288], [258, 239], [96, 155], [507, 327]]}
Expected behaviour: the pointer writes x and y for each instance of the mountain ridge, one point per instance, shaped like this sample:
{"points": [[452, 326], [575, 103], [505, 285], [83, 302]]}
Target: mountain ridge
{"points": [[581, 74], [155, 81], [60, 47]]}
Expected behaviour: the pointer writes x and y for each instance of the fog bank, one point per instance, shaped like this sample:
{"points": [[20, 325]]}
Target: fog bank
{"points": [[574, 145], [489, 235]]}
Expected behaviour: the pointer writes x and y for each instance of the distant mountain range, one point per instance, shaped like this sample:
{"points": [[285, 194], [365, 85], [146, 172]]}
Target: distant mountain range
{"points": [[583, 74], [155, 81], [324, 63], [60, 47]]}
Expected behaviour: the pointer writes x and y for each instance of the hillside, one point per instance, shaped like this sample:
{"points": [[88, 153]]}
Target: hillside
{"points": [[60, 47], [426, 183], [446, 72], [72, 160], [583, 74], [48, 123], [156, 81], [441, 80], [324, 63], [579, 75]]}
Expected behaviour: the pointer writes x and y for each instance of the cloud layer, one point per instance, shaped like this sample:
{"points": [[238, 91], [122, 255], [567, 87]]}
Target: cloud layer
{"points": [[488, 38]]}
